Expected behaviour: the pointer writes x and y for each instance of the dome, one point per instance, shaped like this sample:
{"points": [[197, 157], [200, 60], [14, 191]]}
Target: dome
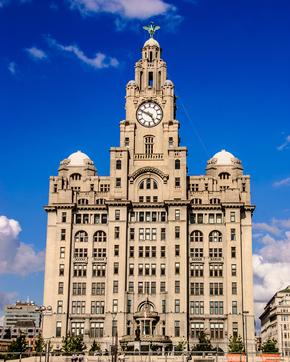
{"points": [[131, 83], [78, 159], [151, 42], [223, 158], [168, 83]]}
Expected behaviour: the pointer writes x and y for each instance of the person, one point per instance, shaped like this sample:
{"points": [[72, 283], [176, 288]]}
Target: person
{"points": [[74, 358]]}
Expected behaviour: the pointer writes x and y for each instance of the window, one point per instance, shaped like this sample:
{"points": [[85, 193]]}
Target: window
{"points": [[195, 329], [117, 215], [196, 270], [83, 202], [75, 176], [176, 328], [233, 234], [115, 286], [80, 253], [162, 287], [99, 270], [177, 268], [59, 306], [163, 251], [148, 143], [234, 288], [77, 328], [177, 182], [177, 214], [78, 307], [215, 236], [118, 164], [215, 270], [177, 164], [116, 268], [99, 252], [177, 250], [117, 232], [55, 188], [116, 250], [216, 307], [129, 306], [215, 252], [177, 286], [97, 329], [232, 216], [127, 142], [224, 175], [80, 270], [60, 288], [100, 236], [233, 252], [170, 141], [216, 330], [81, 236], [63, 217], [98, 288], [177, 232], [163, 234], [61, 252], [131, 252], [141, 234], [131, 269], [235, 329], [162, 269], [131, 287], [196, 288], [214, 201], [132, 233], [163, 306], [177, 306], [61, 270], [79, 288], [115, 306], [118, 182], [58, 329], [196, 307], [62, 234], [196, 252], [216, 289], [234, 270], [196, 236], [234, 307]]}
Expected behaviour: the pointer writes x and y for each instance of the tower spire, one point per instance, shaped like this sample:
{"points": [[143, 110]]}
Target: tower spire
{"points": [[151, 28]]}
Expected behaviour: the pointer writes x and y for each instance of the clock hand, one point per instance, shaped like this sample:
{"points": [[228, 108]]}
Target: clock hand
{"points": [[148, 114]]}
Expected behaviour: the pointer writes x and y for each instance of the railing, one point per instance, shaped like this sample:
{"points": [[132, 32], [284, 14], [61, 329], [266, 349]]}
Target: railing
{"points": [[148, 156], [79, 259]]}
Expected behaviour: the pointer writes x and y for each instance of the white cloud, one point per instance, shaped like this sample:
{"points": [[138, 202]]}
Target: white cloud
{"points": [[12, 67], [283, 182], [130, 9], [36, 53], [285, 144], [17, 257], [272, 262], [99, 61]]}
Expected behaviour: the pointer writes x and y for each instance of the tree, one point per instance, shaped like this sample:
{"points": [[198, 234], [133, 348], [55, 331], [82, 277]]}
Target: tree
{"points": [[19, 344], [73, 344], [270, 346], [236, 344], [180, 347], [95, 347], [204, 343], [39, 344]]}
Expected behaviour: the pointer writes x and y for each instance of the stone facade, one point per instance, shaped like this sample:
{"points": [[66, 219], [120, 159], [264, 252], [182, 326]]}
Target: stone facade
{"points": [[149, 246], [275, 321]]}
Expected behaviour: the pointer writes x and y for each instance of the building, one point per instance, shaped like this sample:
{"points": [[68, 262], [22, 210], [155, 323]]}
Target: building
{"points": [[275, 321], [149, 251], [21, 318]]}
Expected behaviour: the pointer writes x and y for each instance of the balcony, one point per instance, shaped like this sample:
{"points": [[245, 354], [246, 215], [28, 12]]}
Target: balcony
{"points": [[100, 259], [196, 259], [79, 259], [218, 259], [148, 156]]}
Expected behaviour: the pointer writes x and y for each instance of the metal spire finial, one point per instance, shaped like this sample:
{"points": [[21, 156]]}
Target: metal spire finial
{"points": [[151, 29]]}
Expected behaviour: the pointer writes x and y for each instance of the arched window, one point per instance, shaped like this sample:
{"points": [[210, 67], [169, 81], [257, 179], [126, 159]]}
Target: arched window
{"points": [[75, 176], [224, 175], [100, 201], [118, 165], [148, 143], [215, 236], [83, 201], [214, 201], [196, 201], [100, 236], [177, 164], [196, 235], [81, 236], [148, 184]]}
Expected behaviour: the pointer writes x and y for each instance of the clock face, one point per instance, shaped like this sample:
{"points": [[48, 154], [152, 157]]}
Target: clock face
{"points": [[149, 114]]}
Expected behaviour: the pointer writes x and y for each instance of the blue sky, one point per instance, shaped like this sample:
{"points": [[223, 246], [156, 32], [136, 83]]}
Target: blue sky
{"points": [[64, 65]]}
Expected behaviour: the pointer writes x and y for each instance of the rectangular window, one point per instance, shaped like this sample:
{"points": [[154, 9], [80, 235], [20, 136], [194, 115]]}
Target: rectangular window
{"points": [[233, 216], [219, 218], [216, 330], [98, 307], [79, 288], [61, 252], [131, 252], [234, 288], [234, 307], [62, 234], [177, 286], [116, 250], [162, 287], [59, 306], [163, 306], [98, 288], [177, 306], [177, 328], [233, 234], [177, 214], [61, 270], [233, 252], [196, 307], [115, 286], [118, 182], [116, 268], [196, 270], [216, 308], [140, 269], [60, 288], [177, 182], [129, 306], [162, 269], [163, 251], [153, 269], [141, 234], [196, 288], [141, 251], [177, 232], [58, 329], [163, 234], [235, 329], [177, 268], [117, 215], [115, 306], [234, 270], [131, 287], [216, 289], [177, 250], [195, 329], [117, 232], [131, 269], [153, 288], [127, 142], [63, 217], [97, 329], [153, 252], [211, 218], [132, 233], [215, 270]]}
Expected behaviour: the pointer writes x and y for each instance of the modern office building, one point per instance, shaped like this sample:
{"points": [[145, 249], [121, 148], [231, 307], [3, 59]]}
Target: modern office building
{"points": [[275, 321], [149, 252]]}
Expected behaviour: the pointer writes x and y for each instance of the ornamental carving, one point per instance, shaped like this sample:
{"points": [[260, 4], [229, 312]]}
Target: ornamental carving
{"points": [[143, 170]]}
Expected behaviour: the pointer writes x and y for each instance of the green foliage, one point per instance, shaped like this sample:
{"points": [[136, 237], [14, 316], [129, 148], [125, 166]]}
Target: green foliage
{"points": [[7, 334], [236, 344], [39, 344], [270, 346], [19, 344], [73, 344], [95, 347], [204, 343], [180, 347]]}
